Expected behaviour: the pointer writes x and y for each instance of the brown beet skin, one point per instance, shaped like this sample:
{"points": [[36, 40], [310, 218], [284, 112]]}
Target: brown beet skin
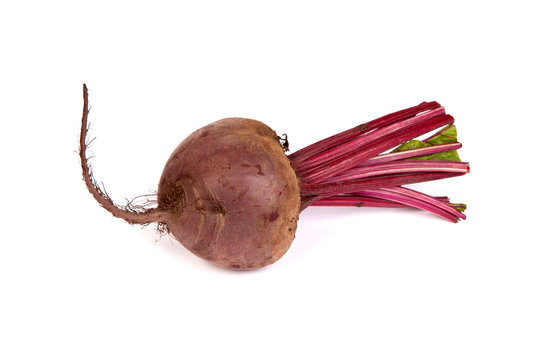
{"points": [[232, 195]]}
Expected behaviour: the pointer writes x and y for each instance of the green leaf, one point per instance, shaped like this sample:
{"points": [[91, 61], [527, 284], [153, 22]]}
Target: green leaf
{"points": [[459, 207], [411, 145], [445, 136]]}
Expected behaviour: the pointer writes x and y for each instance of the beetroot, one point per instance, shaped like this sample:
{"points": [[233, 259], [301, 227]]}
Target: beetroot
{"points": [[231, 195]]}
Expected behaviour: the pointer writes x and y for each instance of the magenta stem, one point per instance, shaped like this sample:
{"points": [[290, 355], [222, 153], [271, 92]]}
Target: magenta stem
{"points": [[403, 166], [395, 197], [427, 199], [357, 200], [366, 201], [407, 154], [325, 190], [417, 200], [323, 145], [366, 139], [346, 161]]}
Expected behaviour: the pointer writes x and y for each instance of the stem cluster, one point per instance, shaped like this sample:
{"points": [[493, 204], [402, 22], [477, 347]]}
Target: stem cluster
{"points": [[354, 167]]}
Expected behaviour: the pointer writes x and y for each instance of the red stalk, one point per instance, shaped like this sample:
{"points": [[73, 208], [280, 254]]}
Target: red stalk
{"points": [[325, 190], [366, 201], [367, 139], [358, 201], [428, 200], [407, 154], [320, 146], [403, 166], [348, 160], [421, 202], [396, 197]]}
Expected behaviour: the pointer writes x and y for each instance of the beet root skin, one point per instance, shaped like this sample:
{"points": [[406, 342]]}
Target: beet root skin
{"points": [[232, 195]]}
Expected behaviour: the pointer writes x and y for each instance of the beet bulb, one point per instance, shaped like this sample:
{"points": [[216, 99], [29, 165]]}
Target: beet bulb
{"points": [[231, 194]]}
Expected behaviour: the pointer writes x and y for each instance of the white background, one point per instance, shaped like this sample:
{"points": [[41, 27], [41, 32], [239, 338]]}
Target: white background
{"points": [[76, 283]]}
